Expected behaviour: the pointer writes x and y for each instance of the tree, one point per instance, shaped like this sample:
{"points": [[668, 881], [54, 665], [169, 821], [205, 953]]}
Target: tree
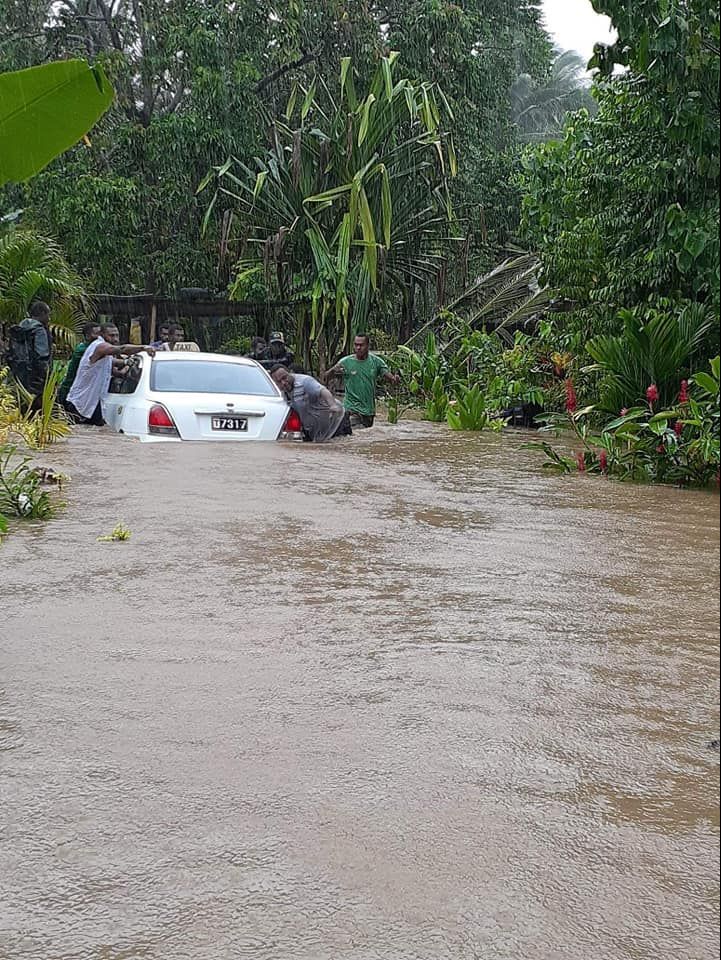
{"points": [[349, 203], [33, 267], [540, 108], [625, 209], [475, 50], [195, 79], [124, 205]]}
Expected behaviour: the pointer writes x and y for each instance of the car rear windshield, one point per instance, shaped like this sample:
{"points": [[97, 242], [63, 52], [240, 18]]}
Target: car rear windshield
{"points": [[210, 376]]}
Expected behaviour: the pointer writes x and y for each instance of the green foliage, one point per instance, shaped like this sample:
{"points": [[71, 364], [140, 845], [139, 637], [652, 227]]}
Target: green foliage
{"points": [[119, 534], [468, 410], [33, 267], [656, 347], [540, 107], [124, 206], [624, 210], [37, 428], [504, 298], [476, 50], [235, 345], [44, 110], [679, 445], [349, 203], [426, 375], [464, 362], [48, 423], [194, 81], [20, 492]]}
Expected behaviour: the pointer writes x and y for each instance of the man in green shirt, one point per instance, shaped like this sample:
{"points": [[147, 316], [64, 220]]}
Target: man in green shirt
{"points": [[91, 331], [361, 373]]}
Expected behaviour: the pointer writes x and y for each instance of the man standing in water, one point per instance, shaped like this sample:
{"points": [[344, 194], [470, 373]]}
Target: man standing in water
{"points": [[361, 373], [322, 416], [31, 351], [91, 331], [84, 401]]}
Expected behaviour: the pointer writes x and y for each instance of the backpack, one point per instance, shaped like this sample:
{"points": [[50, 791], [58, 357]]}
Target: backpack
{"points": [[22, 356]]}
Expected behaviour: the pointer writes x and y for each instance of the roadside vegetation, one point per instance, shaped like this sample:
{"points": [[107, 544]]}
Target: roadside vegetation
{"points": [[526, 244]]}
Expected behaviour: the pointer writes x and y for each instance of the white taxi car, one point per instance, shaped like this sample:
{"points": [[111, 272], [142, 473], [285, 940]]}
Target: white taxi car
{"points": [[199, 396]]}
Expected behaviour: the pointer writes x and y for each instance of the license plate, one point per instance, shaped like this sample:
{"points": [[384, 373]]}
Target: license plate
{"points": [[228, 423]]}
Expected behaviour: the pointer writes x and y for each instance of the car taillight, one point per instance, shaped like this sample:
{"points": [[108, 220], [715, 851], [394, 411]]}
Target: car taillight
{"points": [[293, 423], [293, 427], [160, 421]]}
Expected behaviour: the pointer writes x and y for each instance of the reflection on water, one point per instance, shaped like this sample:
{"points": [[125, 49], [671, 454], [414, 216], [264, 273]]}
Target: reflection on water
{"points": [[405, 696]]}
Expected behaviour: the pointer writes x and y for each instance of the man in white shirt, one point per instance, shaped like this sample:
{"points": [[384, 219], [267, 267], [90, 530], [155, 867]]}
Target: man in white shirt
{"points": [[84, 401]]}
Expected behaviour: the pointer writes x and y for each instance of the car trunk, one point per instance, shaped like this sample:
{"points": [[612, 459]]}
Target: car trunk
{"points": [[222, 416]]}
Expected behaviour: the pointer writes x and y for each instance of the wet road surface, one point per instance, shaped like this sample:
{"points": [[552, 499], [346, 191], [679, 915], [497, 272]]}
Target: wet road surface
{"points": [[404, 697]]}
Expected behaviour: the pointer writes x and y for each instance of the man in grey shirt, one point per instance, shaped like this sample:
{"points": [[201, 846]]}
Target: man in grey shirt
{"points": [[322, 416]]}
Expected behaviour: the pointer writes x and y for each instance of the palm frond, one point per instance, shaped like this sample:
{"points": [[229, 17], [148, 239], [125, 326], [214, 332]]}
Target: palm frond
{"points": [[33, 267]]}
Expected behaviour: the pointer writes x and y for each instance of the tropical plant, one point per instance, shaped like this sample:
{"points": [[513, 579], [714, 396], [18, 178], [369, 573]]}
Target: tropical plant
{"points": [[469, 411], [678, 445], [9, 409], [33, 267], [656, 347], [350, 203], [540, 108], [624, 210], [20, 492], [49, 422], [185, 74], [506, 297], [194, 80], [427, 377], [235, 345], [37, 427], [46, 109], [476, 49]]}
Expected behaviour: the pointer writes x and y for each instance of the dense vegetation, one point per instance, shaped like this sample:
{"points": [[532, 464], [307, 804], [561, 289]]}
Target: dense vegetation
{"points": [[624, 209], [197, 81], [432, 170]]}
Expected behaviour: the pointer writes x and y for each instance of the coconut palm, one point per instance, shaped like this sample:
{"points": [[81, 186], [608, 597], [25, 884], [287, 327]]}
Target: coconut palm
{"points": [[539, 110], [349, 203], [33, 267], [501, 300]]}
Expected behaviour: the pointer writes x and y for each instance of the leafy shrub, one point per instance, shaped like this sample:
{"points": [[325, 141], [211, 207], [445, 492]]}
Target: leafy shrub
{"points": [[20, 493], [468, 411], [38, 428], [655, 347], [678, 445], [235, 345]]}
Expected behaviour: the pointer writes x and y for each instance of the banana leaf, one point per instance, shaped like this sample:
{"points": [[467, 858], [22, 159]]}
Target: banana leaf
{"points": [[44, 111]]}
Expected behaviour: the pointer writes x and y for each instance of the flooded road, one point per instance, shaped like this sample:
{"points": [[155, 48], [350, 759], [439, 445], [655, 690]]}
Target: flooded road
{"points": [[401, 698]]}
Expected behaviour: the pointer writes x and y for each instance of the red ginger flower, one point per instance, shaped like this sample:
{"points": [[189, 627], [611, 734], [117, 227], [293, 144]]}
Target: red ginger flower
{"points": [[571, 398], [581, 461], [603, 461], [652, 394], [678, 428], [624, 411], [683, 395]]}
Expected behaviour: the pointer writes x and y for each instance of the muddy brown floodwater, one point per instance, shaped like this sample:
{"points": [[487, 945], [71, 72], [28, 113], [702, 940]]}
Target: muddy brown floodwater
{"points": [[401, 698]]}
